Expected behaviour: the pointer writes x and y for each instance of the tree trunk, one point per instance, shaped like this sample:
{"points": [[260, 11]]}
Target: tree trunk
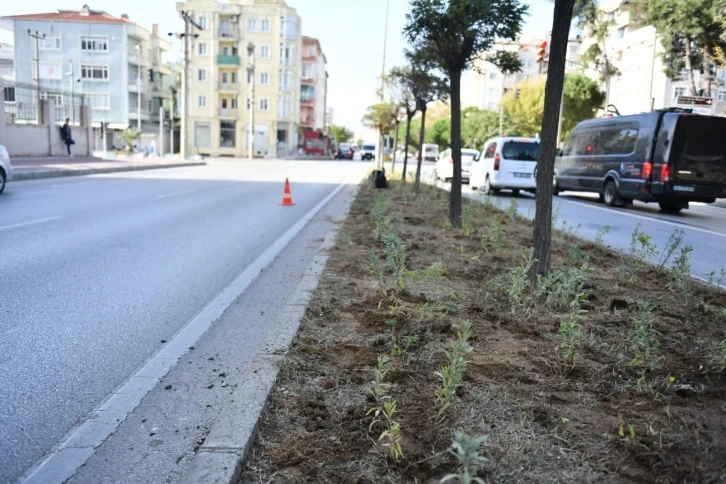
{"points": [[706, 65], [546, 163], [409, 115], [417, 183], [688, 58], [455, 194], [395, 146]]}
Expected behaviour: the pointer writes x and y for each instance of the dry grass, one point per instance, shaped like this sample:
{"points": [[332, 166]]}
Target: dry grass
{"points": [[545, 421]]}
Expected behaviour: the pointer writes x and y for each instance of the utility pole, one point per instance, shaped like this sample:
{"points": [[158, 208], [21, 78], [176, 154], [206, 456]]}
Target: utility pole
{"points": [[138, 91], [36, 37], [73, 96], [381, 148], [251, 72], [187, 39], [161, 131], [103, 136]]}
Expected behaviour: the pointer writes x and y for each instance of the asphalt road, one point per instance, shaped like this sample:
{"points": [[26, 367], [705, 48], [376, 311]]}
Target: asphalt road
{"points": [[704, 226], [97, 272]]}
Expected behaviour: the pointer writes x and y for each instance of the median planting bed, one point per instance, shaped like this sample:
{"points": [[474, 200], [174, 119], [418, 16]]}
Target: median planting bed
{"points": [[420, 335]]}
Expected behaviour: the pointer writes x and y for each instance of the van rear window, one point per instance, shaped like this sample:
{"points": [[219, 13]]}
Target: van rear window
{"points": [[522, 151], [699, 149]]}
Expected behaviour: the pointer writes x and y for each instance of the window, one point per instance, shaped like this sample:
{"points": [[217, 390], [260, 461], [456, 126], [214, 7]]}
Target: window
{"points": [[233, 103], [265, 25], [94, 73], [251, 24], [234, 78], [311, 51], [202, 22], [307, 70], [285, 54], [492, 91], [721, 74], [283, 108], [202, 48], [621, 33], [721, 96], [492, 75], [288, 27], [225, 50], [611, 16], [202, 101], [263, 51], [50, 42], [678, 91], [571, 65], [264, 78], [574, 48], [490, 150], [613, 142], [202, 135], [264, 104], [97, 101], [307, 93], [576, 145], [94, 44], [520, 150], [227, 133], [224, 103], [202, 75], [285, 80]]}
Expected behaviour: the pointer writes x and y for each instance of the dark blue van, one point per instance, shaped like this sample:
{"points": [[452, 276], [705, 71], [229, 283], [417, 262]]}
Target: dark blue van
{"points": [[670, 157]]}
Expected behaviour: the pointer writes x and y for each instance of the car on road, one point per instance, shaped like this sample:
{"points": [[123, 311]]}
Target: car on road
{"points": [[6, 168], [430, 152], [670, 157], [368, 152], [344, 152], [506, 163], [444, 169]]}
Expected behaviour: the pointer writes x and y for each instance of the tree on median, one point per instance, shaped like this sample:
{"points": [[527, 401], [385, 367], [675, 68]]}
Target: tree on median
{"points": [[452, 34], [382, 117], [341, 134]]}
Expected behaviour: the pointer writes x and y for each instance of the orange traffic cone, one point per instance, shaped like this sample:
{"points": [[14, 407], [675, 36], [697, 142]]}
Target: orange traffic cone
{"points": [[287, 195]]}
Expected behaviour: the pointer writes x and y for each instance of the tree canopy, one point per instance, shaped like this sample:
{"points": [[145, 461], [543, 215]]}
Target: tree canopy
{"points": [[341, 134]]}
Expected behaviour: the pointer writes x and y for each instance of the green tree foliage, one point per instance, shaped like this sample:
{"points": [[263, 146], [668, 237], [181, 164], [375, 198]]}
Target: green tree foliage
{"points": [[597, 25], [525, 108], [340, 133], [583, 98], [452, 33], [381, 116]]}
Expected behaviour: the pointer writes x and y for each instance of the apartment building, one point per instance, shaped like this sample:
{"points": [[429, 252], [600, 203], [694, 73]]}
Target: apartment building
{"points": [[7, 61], [313, 98], [113, 62], [220, 77], [485, 86], [641, 84]]}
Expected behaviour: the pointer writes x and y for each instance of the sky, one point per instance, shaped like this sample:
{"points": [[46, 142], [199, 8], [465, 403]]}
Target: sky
{"points": [[351, 33]]}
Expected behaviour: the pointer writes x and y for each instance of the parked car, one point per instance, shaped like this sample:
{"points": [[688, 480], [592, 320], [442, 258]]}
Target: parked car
{"points": [[670, 157], [506, 163], [444, 169], [430, 152], [344, 152], [368, 152], [6, 168]]}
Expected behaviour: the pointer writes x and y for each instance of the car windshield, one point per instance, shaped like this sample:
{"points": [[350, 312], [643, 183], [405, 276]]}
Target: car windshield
{"points": [[369, 147], [468, 155], [430, 149], [520, 150]]}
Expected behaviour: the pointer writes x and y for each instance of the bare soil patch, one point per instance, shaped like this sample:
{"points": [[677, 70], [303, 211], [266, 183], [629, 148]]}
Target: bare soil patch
{"points": [[545, 421]]}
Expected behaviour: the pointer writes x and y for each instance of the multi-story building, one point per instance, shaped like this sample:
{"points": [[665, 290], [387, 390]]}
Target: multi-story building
{"points": [[313, 98], [112, 62], [641, 85], [220, 78], [7, 62], [486, 85]]}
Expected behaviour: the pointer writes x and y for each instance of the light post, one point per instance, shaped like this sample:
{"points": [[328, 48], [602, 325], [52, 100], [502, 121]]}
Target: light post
{"points": [[138, 89], [251, 73], [73, 94]]}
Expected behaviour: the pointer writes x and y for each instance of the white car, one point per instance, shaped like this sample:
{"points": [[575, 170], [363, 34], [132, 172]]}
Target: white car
{"points": [[6, 168], [444, 169], [506, 164]]}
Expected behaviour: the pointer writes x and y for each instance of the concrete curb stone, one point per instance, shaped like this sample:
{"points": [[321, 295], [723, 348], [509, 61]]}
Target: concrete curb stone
{"points": [[41, 174]]}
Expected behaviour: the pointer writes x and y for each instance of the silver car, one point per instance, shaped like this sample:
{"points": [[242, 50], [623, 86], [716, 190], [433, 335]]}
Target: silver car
{"points": [[6, 168]]}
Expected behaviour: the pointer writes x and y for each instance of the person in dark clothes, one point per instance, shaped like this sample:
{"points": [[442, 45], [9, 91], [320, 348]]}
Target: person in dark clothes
{"points": [[66, 137]]}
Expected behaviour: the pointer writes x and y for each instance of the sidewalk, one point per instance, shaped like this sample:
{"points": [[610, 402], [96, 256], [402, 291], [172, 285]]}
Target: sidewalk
{"points": [[59, 166]]}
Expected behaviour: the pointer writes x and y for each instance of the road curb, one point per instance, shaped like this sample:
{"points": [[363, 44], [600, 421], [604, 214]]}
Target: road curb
{"points": [[39, 175], [221, 457]]}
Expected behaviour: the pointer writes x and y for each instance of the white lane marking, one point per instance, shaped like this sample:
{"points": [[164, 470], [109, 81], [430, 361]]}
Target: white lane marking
{"points": [[32, 222], [59, 185], [175, 194], [643, 217], [65, 460]]}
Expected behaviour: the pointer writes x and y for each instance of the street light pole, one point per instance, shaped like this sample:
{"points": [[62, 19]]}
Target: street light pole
{"points": [[138, 90], [251, 71], [73, 95]]}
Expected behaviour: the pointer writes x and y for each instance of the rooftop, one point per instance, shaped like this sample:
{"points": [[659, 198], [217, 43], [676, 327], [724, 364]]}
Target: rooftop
{"points": [[85, 14]]}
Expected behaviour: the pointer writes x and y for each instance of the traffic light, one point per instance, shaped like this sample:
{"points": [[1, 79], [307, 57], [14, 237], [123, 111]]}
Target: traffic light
{"points": [[542, 52], [151, 75]]}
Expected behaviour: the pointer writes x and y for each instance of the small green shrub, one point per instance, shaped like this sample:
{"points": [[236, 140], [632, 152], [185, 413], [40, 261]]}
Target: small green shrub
{"points": [[569, 332], [717, 356], [644, 343], [452, 373], [466, 450], [679, 276], [599, 236], [396, 258], [672, 245], [512, 210]]}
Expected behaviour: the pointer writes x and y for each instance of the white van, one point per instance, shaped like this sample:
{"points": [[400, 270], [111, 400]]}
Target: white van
{"points": [[506, 164], [430, 152], [6, 168]]}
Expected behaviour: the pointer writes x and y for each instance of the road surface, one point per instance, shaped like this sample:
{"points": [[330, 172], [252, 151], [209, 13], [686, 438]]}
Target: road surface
{"points": [[99, 272]]}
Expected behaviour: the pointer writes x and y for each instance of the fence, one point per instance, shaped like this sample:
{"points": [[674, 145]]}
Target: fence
{"points": [[22, 106]]}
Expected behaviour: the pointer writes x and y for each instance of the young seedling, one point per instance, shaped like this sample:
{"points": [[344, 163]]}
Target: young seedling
{"points": [[644, 343], [466, 450], [569, 333], [396, 258], [452, 373], [374, 267], [512, 210], [467, 225], [380, 388], [718, 356], [623, 426], [516, 285], [560, 286], [716, 283], [599, 236], [496, 232], [674, 243], [680, 274], [641, 247]]}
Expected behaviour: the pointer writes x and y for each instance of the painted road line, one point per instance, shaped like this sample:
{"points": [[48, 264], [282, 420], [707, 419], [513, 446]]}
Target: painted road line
{"points": [[175, 194], [65, 459], [32, 222]]}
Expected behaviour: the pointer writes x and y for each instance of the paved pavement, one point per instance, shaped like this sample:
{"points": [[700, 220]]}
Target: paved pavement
{"points": [[59, 166], [100, 272], [704, 225]]}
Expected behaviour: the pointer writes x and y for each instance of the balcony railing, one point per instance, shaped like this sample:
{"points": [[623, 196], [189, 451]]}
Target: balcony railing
{"points": [[228, 60], [227, 112], [230, 34], [229, 86]]}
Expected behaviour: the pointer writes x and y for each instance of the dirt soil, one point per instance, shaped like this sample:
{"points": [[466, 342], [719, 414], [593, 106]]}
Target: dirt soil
{"points": [[544, 421]]}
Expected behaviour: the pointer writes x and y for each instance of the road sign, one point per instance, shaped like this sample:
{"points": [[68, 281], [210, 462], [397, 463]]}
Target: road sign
{"points": [[695, 100]]}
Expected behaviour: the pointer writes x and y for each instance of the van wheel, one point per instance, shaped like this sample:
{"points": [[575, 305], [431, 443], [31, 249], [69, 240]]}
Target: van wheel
{"points": [[670, 207], [2, 180], [610, 194], [515, 192], [488, 189]]}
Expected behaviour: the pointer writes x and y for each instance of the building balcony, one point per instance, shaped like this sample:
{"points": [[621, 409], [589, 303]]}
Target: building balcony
{"points": [[228, 113], [133, 87], [228, 60], [307, 103], [228, 34], [135, 58], [308, 81], [133, 114], [228, 86]]}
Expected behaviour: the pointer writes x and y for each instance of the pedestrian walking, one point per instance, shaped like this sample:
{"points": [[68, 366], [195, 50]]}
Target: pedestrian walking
{"points": [[67, 137]]}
